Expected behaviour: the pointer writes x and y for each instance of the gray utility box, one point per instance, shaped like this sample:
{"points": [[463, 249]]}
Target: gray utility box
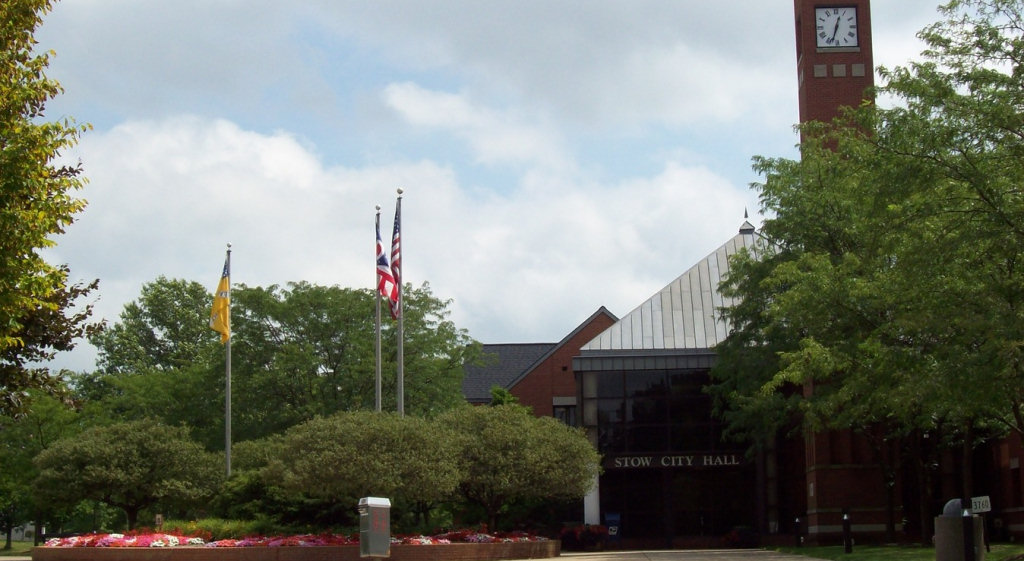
{"points": [[374, 527], [949, 534]]}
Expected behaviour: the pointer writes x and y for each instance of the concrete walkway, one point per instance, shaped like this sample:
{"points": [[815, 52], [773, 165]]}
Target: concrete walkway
{"points": [[687, 555]]}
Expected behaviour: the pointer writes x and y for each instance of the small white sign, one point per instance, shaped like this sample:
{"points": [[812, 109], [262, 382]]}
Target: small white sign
{"points": [[980, 504]]}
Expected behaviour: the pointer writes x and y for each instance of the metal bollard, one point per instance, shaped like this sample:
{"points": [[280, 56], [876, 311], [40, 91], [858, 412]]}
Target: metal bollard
{"points": [[968, 536], [847, 537]]}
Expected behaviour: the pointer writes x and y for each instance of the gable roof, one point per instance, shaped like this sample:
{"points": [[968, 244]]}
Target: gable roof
{"points": [[685, 314], [505, 365], [502, 365], [526, 371]]}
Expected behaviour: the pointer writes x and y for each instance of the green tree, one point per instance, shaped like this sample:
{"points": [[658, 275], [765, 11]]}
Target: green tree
{"points": [[44, 331], [510, 456], [961, 131], [501, 396], [36, 201], [890, 296], [308, 351], [166, 328], [15, 501], [161, 360], [297, 353], [131, 466], [897, 238], [436, 352], [748, 359], [21, 438], [363, 453], [247, 494]]}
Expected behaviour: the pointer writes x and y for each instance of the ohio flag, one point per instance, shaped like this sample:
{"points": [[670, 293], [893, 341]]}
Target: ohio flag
{"points": [[220, 315]]}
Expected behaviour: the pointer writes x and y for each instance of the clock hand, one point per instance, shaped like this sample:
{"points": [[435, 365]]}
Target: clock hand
{"points": [[836, 30]]}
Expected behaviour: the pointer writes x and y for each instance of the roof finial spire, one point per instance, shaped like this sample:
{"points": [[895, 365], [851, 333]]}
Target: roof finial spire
{"points": [[747, 227]]}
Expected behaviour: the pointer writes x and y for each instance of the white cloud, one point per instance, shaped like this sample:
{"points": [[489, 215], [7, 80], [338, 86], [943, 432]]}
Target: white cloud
{"points": [[556, 157], [495, 138], [165, 196]]}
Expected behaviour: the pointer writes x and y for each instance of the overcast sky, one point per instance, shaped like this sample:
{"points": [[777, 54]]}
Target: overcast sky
{"points": [[556, 156]]}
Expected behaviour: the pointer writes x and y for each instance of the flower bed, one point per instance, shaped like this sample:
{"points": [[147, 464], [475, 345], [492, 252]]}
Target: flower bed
{"points": [[584, 537], [456, 546], [177, 539]]}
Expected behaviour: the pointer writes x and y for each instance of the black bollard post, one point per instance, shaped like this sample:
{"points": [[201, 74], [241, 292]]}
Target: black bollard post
{"points": [[968, 536], [796, 532], [847, 538]]}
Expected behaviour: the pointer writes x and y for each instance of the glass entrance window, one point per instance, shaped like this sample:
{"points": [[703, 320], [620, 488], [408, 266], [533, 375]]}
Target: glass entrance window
{"points": [[643, 417], [609, 384], [646, 384], [648, 411], [647, 438]]}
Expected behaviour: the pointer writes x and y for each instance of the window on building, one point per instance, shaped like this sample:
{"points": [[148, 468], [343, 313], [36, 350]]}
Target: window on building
{"points": [[650, 411], [565, 413]]}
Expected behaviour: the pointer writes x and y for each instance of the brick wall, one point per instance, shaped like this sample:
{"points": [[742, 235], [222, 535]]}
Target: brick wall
{"points": [[554, 376]]}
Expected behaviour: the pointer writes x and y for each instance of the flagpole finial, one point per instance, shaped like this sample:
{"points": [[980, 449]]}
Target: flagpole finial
{"points": [[229, 245], [400, 191], [378, 208]]}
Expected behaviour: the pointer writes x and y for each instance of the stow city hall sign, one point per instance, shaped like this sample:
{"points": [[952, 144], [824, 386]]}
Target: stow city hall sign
{"points": [[673, 461]]}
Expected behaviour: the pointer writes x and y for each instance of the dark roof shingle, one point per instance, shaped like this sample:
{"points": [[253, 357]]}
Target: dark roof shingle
{"points": [[502, 364]]}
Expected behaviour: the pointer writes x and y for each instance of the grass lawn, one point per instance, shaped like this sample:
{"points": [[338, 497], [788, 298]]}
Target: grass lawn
{"points": [[17, 548], [999, 552]]}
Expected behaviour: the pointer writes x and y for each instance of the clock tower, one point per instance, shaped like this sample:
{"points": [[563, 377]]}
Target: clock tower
{"points": [[844, 484], [833, 50]]}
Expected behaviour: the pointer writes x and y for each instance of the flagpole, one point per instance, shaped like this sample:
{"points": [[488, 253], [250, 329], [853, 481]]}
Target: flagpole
{"points": [[227, 383], [377, 383], [401, 309]]}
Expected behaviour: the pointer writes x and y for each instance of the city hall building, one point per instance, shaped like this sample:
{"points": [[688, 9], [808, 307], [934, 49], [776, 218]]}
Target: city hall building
{"points": [[667, 470], [635, 385]]}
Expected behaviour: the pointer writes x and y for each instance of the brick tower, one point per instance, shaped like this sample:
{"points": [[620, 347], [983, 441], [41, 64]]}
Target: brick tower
{"points": [[833, 49], [834, 68]]}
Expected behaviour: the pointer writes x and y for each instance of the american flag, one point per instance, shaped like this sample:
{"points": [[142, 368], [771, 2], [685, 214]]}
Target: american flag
{"points": [[385, 281], [396, 258]]}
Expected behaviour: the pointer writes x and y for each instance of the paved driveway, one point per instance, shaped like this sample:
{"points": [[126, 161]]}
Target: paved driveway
{"points": [[687, 555]]}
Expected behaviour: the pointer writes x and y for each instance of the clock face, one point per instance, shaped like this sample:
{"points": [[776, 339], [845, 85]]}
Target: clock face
{"points": [[836, 27]]}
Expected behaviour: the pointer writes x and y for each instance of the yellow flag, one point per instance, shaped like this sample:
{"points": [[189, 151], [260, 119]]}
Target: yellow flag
{"points": [[220, 316]]}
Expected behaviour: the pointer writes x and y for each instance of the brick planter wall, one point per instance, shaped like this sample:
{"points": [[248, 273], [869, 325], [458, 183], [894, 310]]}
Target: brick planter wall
{"points": [[448, 552]]}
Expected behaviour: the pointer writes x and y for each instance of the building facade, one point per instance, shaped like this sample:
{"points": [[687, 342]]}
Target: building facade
{"points": [[635, 384], [670, 479]]}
